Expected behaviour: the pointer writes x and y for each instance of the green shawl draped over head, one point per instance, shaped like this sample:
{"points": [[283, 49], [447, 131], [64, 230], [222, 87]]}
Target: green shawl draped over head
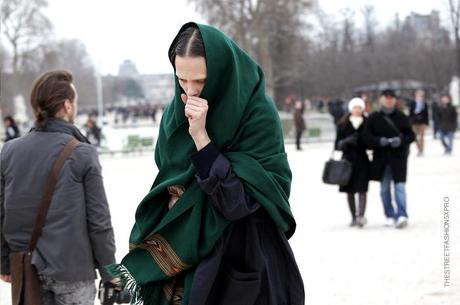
{"points": [[244, 125]]}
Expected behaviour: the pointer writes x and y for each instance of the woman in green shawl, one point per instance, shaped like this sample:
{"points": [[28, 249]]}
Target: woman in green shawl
{"points": [[213, 228]]}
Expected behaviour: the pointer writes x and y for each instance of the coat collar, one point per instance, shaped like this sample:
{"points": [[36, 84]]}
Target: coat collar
{"points": [[60, 125]]}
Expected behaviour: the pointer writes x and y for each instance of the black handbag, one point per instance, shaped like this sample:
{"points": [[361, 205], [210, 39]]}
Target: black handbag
{"points": [[337, 172]]}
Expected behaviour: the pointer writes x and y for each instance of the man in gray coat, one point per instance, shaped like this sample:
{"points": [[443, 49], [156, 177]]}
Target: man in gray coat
{"points": [[77, 236]]}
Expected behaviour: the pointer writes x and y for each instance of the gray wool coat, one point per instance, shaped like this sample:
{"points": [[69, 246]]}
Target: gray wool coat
{"points": [[78, 234]]}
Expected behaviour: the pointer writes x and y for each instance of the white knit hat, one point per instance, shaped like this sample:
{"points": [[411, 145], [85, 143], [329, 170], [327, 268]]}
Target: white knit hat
{"points": [[357, 101]]}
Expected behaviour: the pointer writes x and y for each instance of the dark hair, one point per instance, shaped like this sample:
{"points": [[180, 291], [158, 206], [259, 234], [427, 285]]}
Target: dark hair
{"points": [[388, 93], [444, 94], [10, 119], [344, 118], [189, 42], [49, 93]]}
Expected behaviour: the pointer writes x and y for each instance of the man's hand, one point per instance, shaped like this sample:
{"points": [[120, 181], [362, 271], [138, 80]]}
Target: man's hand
{"points": [[6, 278], [196, 110], [395, 142], [384, 141]]}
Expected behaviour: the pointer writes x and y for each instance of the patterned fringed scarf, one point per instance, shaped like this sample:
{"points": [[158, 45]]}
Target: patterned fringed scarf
{"points": [[166, 246]]}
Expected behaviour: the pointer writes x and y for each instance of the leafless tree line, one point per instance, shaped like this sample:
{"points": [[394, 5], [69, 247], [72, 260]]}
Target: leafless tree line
{"points": [[306, 53], [303, 51], [28, 49]]}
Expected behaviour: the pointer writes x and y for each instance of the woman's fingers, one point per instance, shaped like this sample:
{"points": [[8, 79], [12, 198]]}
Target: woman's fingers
{"points": [[184, 98], [194, 108], [192, 114], [197, 101]]}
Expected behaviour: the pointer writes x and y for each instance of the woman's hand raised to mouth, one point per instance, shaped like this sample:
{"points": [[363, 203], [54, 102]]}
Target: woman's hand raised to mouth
{"points": [[196, 110]]}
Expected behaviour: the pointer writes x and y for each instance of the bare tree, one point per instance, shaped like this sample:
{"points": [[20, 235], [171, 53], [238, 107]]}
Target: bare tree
{"points": [[454, 7], [25, 28], [259, 26], [348, 39], [370, 23]]}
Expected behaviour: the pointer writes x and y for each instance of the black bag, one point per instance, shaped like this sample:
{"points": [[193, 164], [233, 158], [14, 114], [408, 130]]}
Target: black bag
{"points": [[337, 172]]}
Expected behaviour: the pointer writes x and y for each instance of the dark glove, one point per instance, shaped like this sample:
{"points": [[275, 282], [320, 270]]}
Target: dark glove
{"points": [[348, 141], [384, 141], [395, 142]]}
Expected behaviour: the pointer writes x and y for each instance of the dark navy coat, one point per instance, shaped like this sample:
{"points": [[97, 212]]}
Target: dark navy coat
{"points": [[252, 263]]}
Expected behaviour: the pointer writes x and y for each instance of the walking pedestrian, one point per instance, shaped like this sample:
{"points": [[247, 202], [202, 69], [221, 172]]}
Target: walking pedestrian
{"points": [[448, 124], [11, 129], [418, 116], [214, 227], [77, 236], [388, 133], [350, 141], [299, 122]]}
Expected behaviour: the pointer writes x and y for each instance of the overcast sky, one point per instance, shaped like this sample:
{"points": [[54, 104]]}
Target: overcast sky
{"points": [[142, 30]]}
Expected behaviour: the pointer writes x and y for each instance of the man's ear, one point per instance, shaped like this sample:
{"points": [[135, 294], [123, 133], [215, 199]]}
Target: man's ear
{"points": [[68, 106]]}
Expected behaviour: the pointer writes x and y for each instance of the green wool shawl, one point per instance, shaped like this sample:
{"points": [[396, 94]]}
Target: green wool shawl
{"points": [[242, 122]]}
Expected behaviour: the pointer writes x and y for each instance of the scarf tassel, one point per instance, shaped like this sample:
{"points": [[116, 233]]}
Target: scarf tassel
{"points": [[128, 282]]}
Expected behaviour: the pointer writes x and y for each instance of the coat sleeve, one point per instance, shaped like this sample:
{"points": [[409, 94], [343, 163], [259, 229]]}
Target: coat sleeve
{"points": [[218, 181], [408, 135], [455, 118], [369, 138], [98, 215], [339, 137], [5, 250]]}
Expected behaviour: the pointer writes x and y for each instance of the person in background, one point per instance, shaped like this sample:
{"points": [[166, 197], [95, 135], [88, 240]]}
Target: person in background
{"points": [[388, 133], [418, 116], [299, 122], [367, 102], [78, 235], [336, 109], [350, 141], [11, 129], [435, 116], [93, 132], [320, 106], [447, 120]]}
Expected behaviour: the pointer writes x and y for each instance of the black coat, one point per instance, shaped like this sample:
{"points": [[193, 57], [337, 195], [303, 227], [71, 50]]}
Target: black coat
{"points": [[356, 154], [336, 109], [396, 158], [299, 122], [447, 118], [12, 132], [418, 118], [252, 264]]}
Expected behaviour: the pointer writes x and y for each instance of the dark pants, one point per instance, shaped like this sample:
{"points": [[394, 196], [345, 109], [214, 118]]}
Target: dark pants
{"points": [[297, 138]]}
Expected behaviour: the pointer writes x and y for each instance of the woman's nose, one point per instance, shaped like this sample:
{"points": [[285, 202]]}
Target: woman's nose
{"points": [[191, 91]]}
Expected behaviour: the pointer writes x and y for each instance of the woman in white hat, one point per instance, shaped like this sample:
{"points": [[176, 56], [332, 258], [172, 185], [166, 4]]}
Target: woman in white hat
{"points": [[350, 141]]}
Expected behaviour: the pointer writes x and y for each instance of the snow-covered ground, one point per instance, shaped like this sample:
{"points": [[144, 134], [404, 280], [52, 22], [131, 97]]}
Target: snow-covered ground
{"points": [[340, 265]]}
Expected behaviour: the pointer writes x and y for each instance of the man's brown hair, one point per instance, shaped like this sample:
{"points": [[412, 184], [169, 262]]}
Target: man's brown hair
{"points": [[49, 93]]}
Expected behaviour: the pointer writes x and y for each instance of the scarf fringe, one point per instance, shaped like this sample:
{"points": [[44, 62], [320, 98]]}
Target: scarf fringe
{"points": [[128, 281]]}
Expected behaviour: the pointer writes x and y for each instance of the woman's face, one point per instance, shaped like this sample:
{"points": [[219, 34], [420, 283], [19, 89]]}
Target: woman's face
{"points": [[357, 111], [191, 72]]}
